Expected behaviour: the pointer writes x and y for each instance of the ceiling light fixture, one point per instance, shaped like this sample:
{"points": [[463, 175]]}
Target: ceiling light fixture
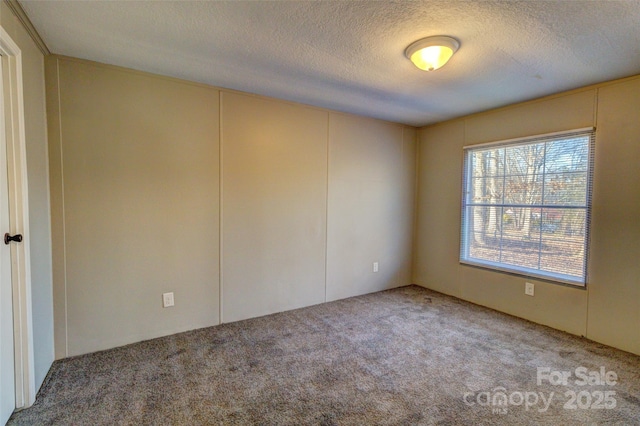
{"points": [[431, 53]]}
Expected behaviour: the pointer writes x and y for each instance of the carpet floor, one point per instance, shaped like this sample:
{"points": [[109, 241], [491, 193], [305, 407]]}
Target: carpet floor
{"points": [[407, 356]]}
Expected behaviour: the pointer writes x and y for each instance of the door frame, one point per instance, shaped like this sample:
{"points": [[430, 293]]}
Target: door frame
{"points": [[19, 224]]}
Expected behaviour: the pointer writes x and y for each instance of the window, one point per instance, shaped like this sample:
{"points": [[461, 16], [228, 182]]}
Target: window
{"points": [[526, 206]]}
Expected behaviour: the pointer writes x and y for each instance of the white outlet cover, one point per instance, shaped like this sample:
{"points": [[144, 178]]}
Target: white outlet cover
{"points": [[167, 300], [529, 289], [375, 266]]}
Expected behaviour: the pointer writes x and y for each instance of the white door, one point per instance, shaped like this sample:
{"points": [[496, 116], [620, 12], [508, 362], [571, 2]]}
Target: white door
{"points": [[7, 364]]}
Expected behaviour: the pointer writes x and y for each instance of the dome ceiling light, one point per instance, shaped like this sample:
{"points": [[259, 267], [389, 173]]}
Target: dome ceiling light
{"points": [[431, 53]]}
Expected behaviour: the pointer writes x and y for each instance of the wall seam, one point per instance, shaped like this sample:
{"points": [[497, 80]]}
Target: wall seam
{"points": [[64, 217], [326, 213], [403, 170], [48, 177], [416, 194], [220, 210]]}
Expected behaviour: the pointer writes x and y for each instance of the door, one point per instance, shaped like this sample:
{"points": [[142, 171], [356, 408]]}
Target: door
{"points": [[7, 350]]}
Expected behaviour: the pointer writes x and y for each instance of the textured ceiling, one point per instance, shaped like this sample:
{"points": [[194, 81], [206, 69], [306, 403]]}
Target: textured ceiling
{"points": [[349, 55]]}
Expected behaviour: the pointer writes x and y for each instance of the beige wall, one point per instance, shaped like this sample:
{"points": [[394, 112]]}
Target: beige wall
{"points": [[135, 183], [38, 184], [614, 292], [136, 168], [274, 184], [370, 214], [309, 200], [608, 310]]}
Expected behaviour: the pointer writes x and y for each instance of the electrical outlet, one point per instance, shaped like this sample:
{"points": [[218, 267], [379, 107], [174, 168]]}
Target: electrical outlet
{"points": [[167, 300], [528, 289], [375, 267]]}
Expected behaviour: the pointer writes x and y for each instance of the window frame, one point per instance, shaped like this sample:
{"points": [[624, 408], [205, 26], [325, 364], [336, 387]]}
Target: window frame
{"points": [[538, 274]]}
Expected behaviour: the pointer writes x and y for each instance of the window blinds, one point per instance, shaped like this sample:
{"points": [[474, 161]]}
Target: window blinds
{"points": [[526, 205]]}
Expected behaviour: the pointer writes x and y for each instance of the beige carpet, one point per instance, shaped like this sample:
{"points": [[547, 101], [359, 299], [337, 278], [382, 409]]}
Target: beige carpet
{"points": [[401, 357]]}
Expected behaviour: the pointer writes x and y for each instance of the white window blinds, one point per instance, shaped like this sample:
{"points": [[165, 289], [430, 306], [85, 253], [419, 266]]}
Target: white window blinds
{"points": [[526, 205]]}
